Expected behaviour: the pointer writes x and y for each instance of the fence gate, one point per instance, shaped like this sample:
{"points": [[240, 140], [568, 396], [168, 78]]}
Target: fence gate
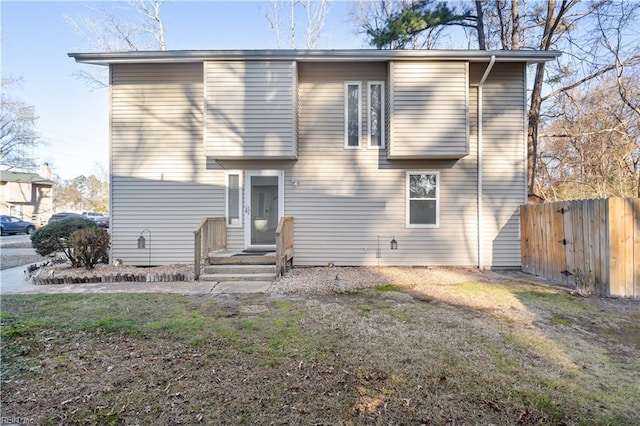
{"points": [[594, 242]]}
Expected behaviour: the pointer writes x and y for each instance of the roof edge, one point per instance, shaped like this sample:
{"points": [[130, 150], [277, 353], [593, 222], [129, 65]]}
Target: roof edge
{"points": [[24, 177], [326, 55]]}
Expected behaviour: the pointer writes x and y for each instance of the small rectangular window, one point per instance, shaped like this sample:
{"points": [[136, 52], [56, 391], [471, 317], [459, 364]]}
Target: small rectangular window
{"points": [[233, 197], [376, 114], [352, 114], [423, 193]]}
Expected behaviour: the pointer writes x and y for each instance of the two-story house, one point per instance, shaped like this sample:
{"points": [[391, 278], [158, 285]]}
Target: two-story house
{"points": [[28, 196], [361, 147]]}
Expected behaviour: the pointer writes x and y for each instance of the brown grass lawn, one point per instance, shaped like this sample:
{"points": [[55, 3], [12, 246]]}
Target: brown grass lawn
{"points": [[470, 353]]}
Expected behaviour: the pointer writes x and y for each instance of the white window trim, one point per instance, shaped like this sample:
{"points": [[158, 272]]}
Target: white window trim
{"points": [[408, 203], [382, 115], [346, 114], [226, 197]]}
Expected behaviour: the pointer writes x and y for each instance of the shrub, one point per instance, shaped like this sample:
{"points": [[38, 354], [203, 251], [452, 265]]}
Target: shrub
{"points": [[89, 245], [53, 238]]}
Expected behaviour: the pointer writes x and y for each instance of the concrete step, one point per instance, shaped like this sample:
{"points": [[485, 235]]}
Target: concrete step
{"points": [[265, 259], [240, 269], [238, 277]]}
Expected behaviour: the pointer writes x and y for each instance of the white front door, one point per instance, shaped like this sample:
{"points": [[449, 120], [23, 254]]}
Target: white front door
{"points": [[264, 206]]}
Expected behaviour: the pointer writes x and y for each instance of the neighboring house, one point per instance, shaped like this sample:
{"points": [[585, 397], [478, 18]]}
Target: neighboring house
{"points": [[359, 146], [28, 196]]}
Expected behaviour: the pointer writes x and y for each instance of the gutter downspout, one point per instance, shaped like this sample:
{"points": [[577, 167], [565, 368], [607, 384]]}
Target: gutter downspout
{"points": [[492, 61]]}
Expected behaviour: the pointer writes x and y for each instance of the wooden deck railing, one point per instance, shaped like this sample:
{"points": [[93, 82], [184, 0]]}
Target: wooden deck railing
{"points": [[284, 244], [210, 235]]}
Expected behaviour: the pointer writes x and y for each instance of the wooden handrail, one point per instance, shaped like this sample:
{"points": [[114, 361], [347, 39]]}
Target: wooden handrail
{"points": [[210, 235], [284, 244]]}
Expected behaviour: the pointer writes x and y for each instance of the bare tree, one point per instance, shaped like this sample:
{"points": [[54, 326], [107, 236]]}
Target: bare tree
{"points": [[592, 149], [309, 15], [597, 39], [316, 12], [272, 15], [607, 53], [134, 25], [82, 193], [371, 17], [562, 25], [622, 45], [18, 137], [151, 24], [482, 40], [551, 26]]}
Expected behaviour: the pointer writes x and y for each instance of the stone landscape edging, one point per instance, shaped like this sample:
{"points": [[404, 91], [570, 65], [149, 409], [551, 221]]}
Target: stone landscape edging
{"points": [[112, 278]]}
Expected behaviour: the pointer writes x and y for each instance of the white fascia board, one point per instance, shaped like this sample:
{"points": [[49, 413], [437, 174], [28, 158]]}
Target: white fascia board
{"points": [[354, 55]]}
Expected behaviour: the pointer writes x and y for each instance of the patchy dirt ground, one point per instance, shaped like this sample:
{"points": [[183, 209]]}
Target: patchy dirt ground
{"points": [[327, 280], [430, 352]]}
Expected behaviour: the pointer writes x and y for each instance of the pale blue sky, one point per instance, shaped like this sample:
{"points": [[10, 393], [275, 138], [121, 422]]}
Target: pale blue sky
{"points": [[73, 120]]}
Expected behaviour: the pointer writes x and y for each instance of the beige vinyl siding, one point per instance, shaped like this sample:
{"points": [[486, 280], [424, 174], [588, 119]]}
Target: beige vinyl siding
{"points": [[429, 110], [504, 163], [163, 180], [250, 109], [18, 192], [347, 198], [158, 176]]}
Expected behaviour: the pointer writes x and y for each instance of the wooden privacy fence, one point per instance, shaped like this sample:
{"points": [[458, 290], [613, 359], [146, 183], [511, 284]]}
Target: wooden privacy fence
{"points": [[592, 243]]}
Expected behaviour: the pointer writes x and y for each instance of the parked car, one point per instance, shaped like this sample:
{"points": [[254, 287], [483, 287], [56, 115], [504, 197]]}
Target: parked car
{"points": [[92, 215], [102, 221], [13, 225], [64, 215]]}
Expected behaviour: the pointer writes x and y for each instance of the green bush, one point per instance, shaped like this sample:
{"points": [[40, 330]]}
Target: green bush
{"points": [[53, 238], [89, 245]]}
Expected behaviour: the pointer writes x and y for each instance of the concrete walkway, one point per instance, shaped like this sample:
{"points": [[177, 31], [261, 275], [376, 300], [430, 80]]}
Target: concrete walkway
{"points": [[19, 251], [12, 281]]}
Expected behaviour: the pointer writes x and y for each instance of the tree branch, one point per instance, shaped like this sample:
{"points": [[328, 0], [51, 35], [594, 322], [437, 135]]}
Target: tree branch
{"points": [[583, 80]]}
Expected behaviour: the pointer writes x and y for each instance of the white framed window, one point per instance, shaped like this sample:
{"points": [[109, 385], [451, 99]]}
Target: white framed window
{"points": [[375, 114], [423, 199], [233, 199], [352, 114]]}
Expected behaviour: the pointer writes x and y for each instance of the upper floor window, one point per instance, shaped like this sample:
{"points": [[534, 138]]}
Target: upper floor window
{"points": [[352, 114], [423, 193], [376, 114]]}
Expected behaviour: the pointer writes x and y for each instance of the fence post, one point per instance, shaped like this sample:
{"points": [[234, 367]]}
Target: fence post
{"points": [[524, 237]]}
